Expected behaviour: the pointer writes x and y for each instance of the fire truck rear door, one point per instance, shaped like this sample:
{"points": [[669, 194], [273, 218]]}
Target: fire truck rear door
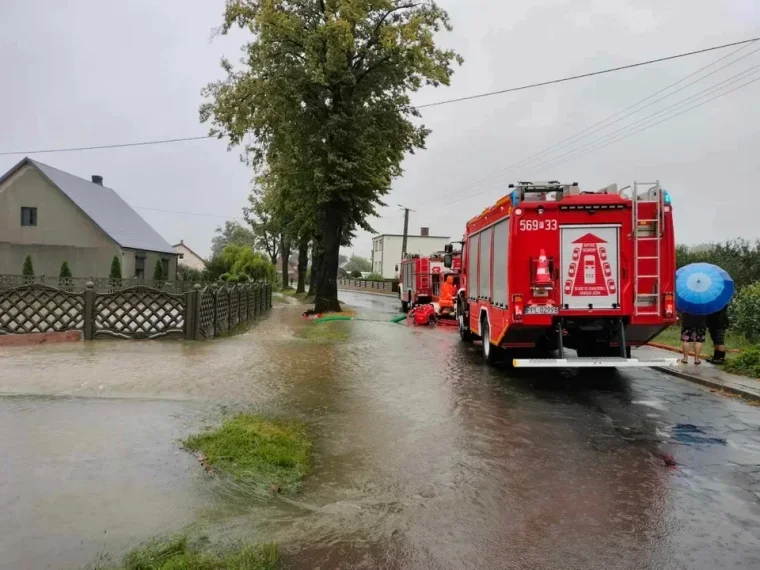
{"points": [[590, 267]]}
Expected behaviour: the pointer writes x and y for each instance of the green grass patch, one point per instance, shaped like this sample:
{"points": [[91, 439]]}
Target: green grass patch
{"points": [[330, 331], [747, 363], [176, 554], [672, 337], [266, 454]]}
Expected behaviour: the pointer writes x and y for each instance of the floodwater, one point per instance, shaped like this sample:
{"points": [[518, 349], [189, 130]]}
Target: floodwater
{"points": [[424, 457]]}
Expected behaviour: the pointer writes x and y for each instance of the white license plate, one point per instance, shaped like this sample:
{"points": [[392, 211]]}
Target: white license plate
{"points": [[541, 310]]}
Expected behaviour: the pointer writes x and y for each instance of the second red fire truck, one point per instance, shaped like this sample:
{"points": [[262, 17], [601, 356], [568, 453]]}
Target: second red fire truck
{"points": [[549, 267]]}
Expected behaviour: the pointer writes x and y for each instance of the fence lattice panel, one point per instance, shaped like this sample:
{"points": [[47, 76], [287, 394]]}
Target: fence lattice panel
{"points": [[139, 312], [39, 309], [207, 304], [222, 310], [234, 293]]}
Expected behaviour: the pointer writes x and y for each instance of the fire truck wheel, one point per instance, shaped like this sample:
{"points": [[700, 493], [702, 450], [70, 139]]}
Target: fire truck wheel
{"points": [[464, 332], [490, 352]]}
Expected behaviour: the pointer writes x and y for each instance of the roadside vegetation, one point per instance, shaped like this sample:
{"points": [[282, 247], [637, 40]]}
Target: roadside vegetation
{"points": [[177, 554], [264, 454], [741, 259]]}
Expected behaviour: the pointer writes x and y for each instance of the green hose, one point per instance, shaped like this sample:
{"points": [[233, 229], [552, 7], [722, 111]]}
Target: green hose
{"points": [[398, 319], [333, 318]]}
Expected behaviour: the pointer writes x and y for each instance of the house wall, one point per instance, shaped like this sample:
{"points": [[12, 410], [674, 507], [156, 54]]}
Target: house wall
{"points": [[189, 259], [386, 251], [63, 232], [128, 263]]}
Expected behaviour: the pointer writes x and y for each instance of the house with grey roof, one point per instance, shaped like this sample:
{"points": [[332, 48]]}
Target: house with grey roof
{"points": [[54, 216]]}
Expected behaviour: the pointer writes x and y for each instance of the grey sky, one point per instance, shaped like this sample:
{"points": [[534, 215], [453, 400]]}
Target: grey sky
{"points": [[91, 72]]}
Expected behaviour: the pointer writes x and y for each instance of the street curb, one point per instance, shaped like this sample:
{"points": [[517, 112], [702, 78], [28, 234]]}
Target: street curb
{"points": [[709, 383], [368, 292]]}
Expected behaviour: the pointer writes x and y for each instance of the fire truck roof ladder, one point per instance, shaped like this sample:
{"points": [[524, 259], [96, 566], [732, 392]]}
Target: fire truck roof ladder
{"points": [[647, 218]]}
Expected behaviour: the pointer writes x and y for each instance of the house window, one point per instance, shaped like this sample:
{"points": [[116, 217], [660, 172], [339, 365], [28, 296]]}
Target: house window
{"points": [[140, 266], [28, 216], [165, 267]]}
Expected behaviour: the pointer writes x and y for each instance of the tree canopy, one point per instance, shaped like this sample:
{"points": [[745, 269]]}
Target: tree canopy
{"points": [[320, 106], [232, 233], [360, 264]]}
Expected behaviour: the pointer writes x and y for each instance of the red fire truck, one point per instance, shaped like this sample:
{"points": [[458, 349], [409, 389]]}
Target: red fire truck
{"points": [[421, 277], [550, 267]]}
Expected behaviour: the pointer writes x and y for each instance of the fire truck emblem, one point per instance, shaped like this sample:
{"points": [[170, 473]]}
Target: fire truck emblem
{"points": [[589, 272]]}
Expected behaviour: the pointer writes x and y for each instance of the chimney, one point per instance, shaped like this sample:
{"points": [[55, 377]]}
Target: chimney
{"points": [[425, 231], [97, 179]]}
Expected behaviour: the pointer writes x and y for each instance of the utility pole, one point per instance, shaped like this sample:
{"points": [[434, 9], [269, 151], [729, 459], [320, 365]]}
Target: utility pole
{"points": [[406, 229]]}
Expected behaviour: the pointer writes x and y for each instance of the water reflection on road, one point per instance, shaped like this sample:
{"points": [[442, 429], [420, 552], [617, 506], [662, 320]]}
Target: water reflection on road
{"points": [[424, 457]]}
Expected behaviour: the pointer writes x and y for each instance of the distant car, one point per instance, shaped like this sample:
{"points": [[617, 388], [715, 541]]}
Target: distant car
{"points": [[611, 285], [607, 269], [603, 253], [576, 253], [571, 270]]}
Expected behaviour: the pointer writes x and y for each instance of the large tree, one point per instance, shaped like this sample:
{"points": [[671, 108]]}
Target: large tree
{"points": [[322, 100], [231, 234]]}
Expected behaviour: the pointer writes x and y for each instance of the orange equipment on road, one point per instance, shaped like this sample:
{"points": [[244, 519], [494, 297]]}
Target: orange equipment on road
{"points": [[448, 292]]}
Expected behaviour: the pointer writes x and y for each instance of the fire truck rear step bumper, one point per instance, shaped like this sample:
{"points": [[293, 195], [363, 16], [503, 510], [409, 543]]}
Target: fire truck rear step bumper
{"points": [[592, 362]]}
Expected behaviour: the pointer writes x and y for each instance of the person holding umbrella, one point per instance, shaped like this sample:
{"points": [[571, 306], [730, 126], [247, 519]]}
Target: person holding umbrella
{"points": [[693, 329], [717, 324], [702, 289]]}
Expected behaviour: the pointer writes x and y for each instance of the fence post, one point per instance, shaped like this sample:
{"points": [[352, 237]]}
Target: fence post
{"points": [[191, 300], [269, 296], [214, 291], [89, 310]]}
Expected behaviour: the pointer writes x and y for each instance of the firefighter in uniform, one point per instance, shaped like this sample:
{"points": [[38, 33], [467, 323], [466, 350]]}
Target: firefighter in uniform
{"points": [[446, 300]]}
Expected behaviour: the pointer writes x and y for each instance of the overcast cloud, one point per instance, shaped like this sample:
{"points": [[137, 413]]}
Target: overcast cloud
{"points": [[83, 73]]}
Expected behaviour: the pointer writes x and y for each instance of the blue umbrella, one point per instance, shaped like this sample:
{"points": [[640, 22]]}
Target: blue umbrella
{"points": [[702, 288]]}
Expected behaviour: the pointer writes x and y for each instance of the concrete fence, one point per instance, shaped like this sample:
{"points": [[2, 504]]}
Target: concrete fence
{"points": [[134, 312], [101, 284], [387, 287]]}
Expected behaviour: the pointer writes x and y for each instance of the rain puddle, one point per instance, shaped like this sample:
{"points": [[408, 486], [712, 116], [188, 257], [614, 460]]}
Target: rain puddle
{"points": [[423, 456]]}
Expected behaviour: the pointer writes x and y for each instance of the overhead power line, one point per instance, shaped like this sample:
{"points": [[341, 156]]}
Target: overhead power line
{"points": [[603, 124], [645, 127], [674, 107], [190, 213], [584, 75], [427, 105], [105, 146], [552, 163]]}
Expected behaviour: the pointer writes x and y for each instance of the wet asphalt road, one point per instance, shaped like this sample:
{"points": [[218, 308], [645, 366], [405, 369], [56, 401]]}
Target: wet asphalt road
{"points": [[424, 457]]}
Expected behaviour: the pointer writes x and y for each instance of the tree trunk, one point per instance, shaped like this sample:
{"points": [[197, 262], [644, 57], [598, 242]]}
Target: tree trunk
{"points": [[285, 255], [326, 300], [303, 261], [316, 258]]}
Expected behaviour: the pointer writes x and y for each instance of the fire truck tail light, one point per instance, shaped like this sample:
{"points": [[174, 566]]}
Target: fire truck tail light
{"points": [[517, 307], [668, 305], [517, 211], [667, 209]]}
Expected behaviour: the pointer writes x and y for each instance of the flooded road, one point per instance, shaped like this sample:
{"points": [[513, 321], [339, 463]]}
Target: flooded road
{"points": [[424, 457]]}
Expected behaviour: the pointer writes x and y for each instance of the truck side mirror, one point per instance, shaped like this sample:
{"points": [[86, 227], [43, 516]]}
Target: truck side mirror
{"points": [[397, 268], [448, 248], [447, 261]]}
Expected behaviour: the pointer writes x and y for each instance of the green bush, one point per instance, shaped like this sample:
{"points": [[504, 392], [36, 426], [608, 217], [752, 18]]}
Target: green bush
{"points": [[745, 312], [747, 363], [28, 270], [356, 274], [185, 273], [65, 271], [115, 268], [158, 271], [375, 277]]}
